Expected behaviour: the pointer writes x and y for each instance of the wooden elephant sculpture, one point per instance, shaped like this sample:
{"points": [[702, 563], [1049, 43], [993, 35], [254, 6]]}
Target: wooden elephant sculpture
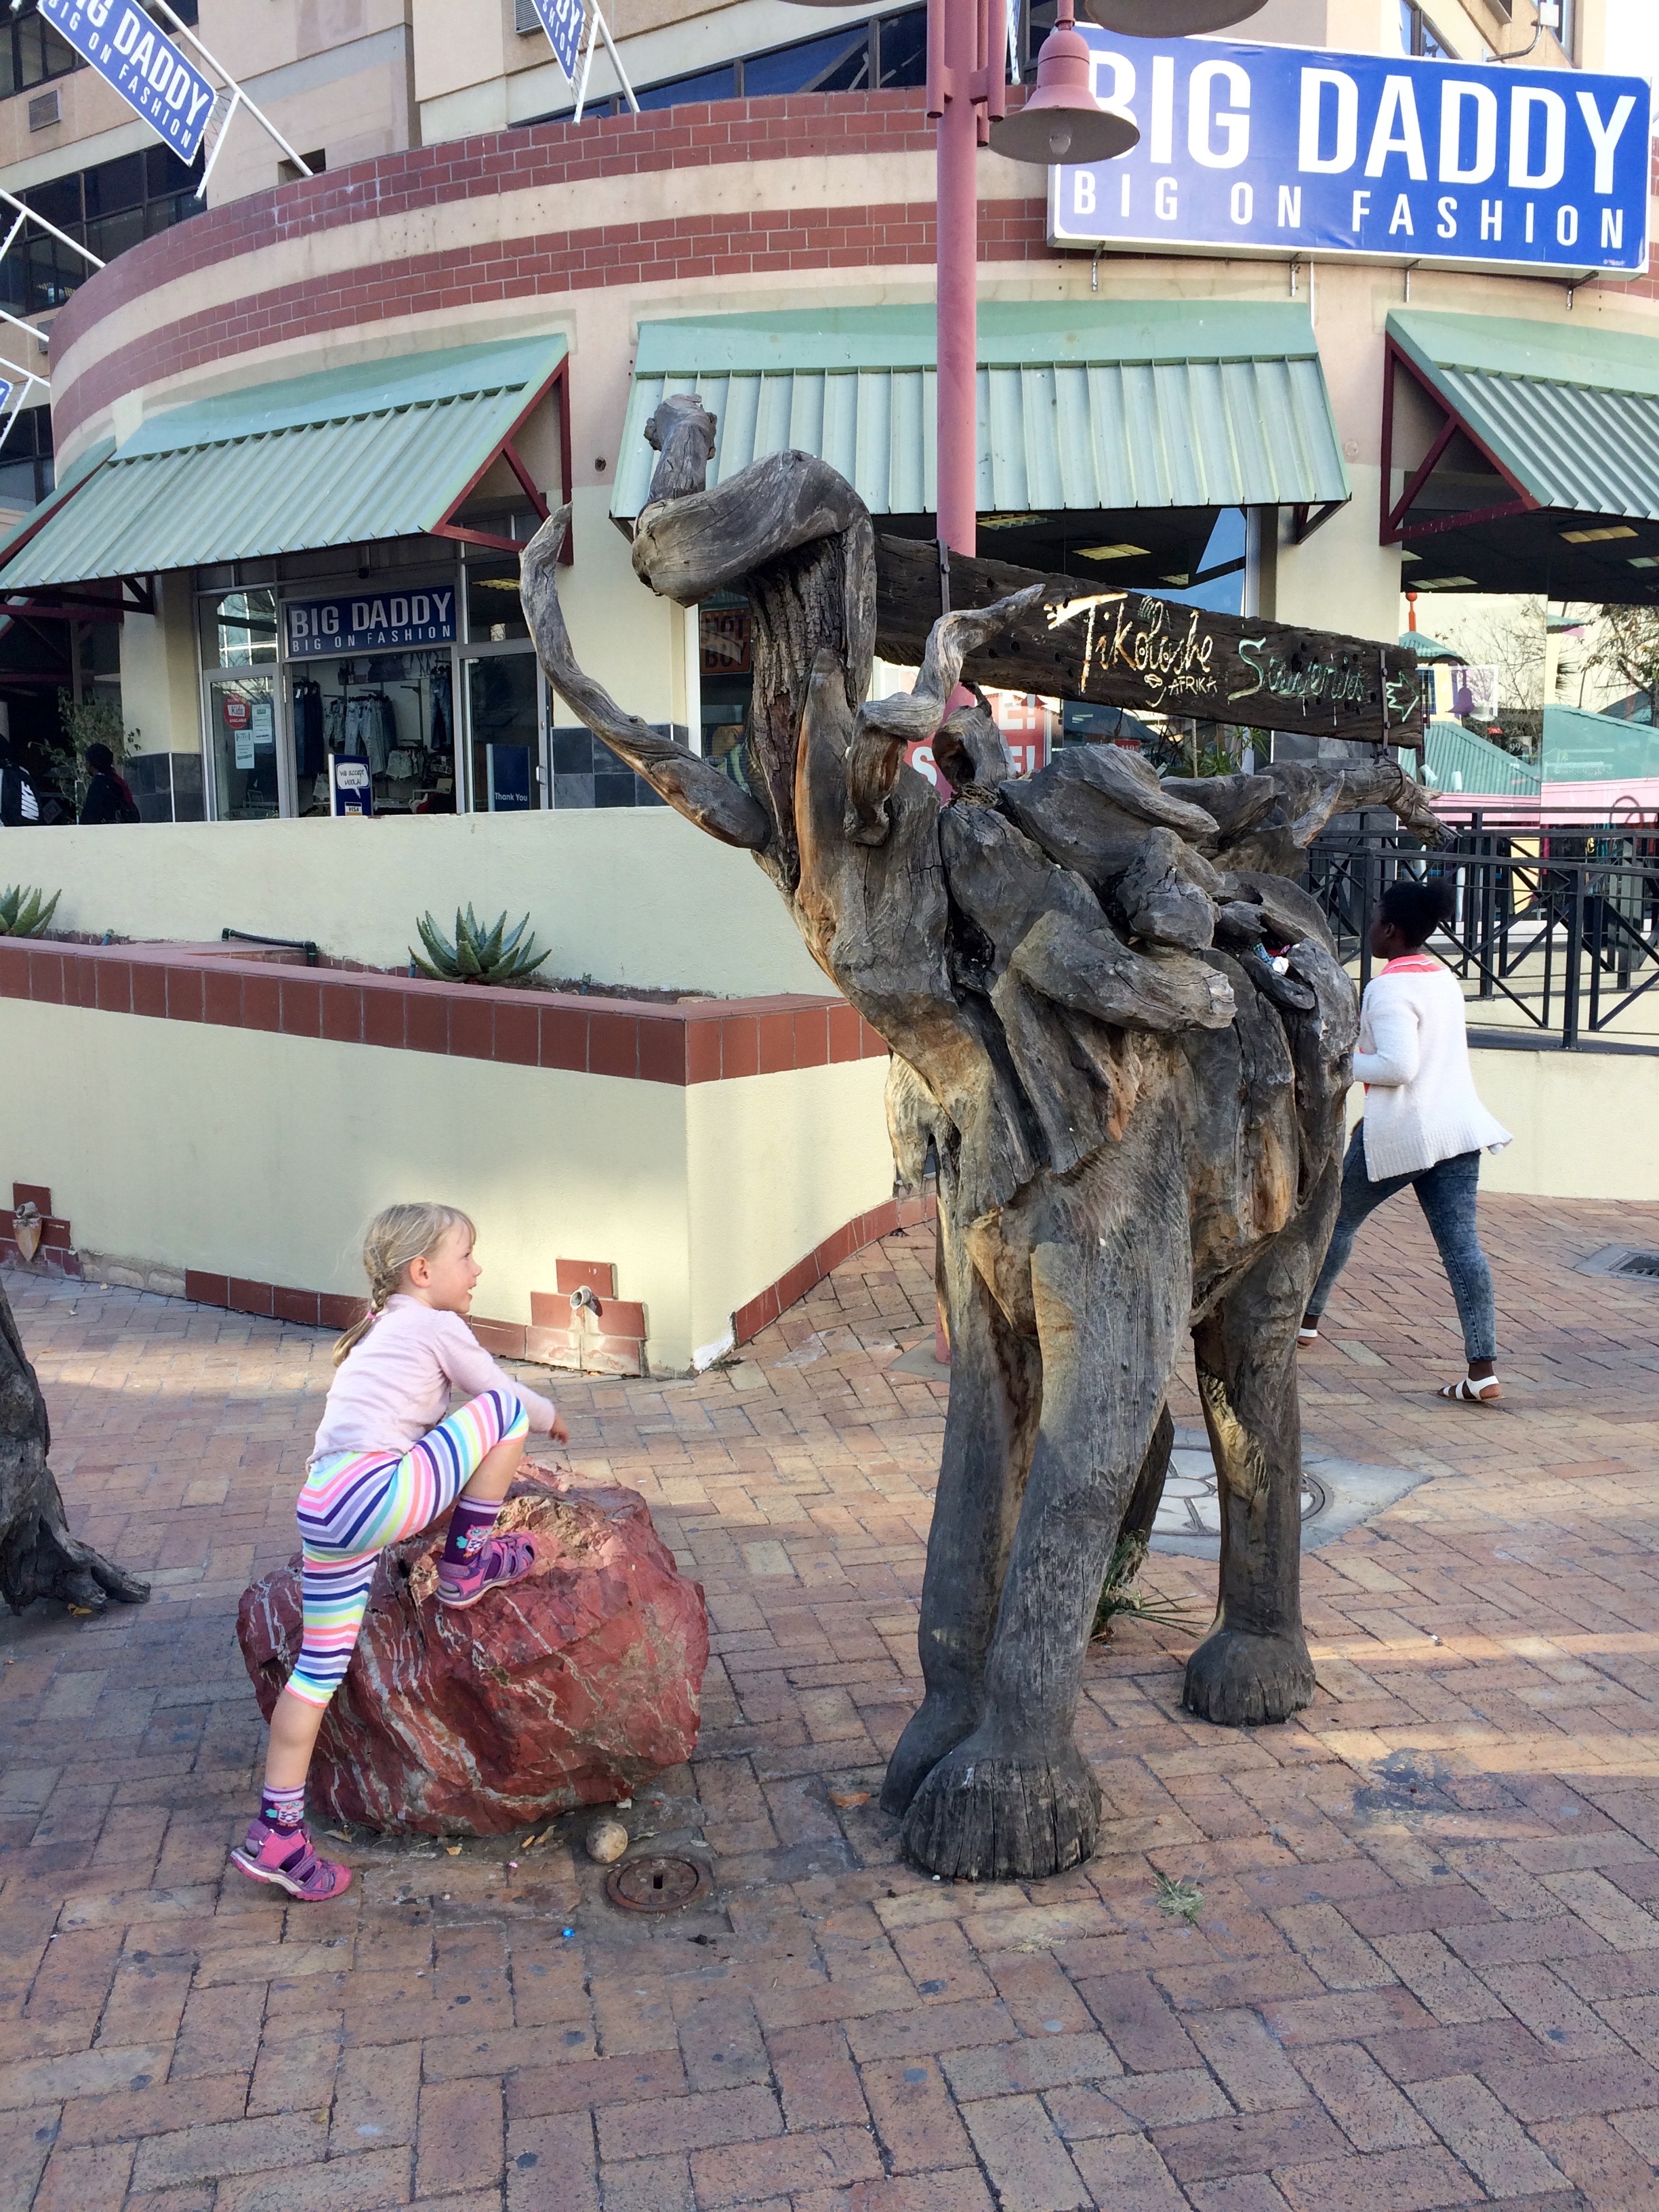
{"points": [[1121, 1028]]}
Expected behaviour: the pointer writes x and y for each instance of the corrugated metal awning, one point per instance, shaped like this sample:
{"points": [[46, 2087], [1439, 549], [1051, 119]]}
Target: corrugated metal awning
{"points": [[385, 449], [1569, 412], [1088, 408]]}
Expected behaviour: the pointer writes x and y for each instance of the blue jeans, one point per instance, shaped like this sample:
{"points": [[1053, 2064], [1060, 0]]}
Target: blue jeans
{"points": [[1446, 1193]]}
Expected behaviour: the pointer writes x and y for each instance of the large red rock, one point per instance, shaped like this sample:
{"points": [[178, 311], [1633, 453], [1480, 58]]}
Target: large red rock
{"points": [[572, 1687]]}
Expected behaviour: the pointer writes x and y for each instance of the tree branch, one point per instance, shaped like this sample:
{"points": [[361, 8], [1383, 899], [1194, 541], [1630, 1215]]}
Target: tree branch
{"points": [[692, 787]]}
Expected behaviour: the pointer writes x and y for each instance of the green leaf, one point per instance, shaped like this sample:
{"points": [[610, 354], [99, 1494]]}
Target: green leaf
{"points": [[432, 937]]}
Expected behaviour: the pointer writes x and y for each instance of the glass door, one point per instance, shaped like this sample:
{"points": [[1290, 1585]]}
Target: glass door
{"points": [[243, 747], [504, 720]]}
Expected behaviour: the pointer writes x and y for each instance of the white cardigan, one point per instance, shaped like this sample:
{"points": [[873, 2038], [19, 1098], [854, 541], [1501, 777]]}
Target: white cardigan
{"points": [[1413, 1057]]}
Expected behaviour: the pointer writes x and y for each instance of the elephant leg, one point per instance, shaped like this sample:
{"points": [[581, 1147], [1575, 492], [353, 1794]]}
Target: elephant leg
{"points": [[1111, 1281], [1253, 1665], [989, 1431]]}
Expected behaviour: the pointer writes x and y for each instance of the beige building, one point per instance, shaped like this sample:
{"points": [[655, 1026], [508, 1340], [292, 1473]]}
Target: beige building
{"points": [[299, 435]]}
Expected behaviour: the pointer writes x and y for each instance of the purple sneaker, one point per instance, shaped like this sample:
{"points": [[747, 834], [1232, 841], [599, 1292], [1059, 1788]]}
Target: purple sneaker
{"points": [[288, 1857], [497, 1561]]}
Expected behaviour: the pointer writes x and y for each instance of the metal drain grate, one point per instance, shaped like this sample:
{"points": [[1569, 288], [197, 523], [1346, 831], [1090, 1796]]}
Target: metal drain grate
{"points": [[1623, 1260], [1639, 1263], [657, 1885]]}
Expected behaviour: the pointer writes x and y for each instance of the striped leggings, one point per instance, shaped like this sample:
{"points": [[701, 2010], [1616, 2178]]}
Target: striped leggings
{"points": [[354, 1504]]}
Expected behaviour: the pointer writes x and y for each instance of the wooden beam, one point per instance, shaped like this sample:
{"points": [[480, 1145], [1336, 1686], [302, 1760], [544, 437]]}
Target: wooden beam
{"points": [[1124, 648]]}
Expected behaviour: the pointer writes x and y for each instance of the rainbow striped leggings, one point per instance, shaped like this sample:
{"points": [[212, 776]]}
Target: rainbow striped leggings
{"points": [[354, 1504]]}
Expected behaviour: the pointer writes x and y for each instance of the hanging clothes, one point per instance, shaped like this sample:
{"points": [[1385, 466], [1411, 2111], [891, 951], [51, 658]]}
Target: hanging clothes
{"points": [[308, 747], [438, 737]]}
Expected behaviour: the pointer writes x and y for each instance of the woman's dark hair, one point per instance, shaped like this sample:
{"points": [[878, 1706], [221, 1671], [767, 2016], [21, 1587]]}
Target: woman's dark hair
{"points": [[100, 759], [1417, 910]]}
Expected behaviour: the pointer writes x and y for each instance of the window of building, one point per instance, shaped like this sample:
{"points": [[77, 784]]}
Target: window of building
{"points": [[108, 209], [889, 51], [32, 53], [25, 467], [1419, 36]]}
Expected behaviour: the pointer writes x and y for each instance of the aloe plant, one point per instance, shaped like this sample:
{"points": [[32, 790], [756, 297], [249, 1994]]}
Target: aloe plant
{"points": [[22, 915], [477, 955]]}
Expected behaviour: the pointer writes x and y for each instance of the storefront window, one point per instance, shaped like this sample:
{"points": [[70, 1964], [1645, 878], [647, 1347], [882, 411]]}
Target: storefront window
{"points": [[241, 714], [239, 629], [504, 716], [726, 670], [494, 612], [394, 710]]}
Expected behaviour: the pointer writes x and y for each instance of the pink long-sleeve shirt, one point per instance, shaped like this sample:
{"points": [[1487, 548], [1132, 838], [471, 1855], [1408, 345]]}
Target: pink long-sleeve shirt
{"points": [[397, 1381]]}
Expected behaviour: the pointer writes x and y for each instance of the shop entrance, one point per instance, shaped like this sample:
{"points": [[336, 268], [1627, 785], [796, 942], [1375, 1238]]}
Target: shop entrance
{"points": [[504, 716], [246, 768]]}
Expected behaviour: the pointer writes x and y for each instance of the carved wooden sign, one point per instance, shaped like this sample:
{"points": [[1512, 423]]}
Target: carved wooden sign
{"points": [[1128, 648]]}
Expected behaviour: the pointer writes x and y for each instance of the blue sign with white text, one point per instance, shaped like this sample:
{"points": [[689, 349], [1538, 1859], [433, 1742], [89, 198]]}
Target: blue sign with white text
{"points": [[562, 19], [374, 621], [1289, 151], [134, 55]]}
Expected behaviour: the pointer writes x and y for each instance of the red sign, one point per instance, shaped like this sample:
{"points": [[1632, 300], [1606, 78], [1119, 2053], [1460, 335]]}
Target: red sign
{"points": [[1028, 724], [238, 713], [725, 641]]}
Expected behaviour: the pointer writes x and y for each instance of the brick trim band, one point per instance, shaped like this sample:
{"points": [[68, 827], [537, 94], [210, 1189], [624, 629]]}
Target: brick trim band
{"points": [[706, 1040], [863, 1229], [760, 241]]}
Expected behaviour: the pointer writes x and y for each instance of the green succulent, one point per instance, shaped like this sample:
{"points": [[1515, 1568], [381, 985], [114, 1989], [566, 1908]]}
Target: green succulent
{"points": [[477, 955], [21, 914]]}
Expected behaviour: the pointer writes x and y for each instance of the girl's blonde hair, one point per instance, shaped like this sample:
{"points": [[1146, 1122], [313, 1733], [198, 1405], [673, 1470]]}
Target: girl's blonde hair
{"points": [[398, 1235]]}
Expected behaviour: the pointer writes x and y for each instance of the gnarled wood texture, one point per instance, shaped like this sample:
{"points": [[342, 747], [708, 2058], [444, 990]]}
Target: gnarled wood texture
{"points": [[39, 1558], [1121, 1035]]}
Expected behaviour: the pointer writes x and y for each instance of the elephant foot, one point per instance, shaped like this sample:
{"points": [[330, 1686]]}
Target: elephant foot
{"points": [[1240, 1681], [981, 1817], [936, 1727]]}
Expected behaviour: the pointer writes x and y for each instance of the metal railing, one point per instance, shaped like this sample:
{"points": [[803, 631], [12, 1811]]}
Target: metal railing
{"points": [[1554, 935]]}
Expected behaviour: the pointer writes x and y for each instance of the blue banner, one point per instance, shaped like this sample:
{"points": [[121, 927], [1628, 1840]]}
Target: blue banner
{"points": [[134, 55], [371, 622], [562, 19], [1289, 151]]}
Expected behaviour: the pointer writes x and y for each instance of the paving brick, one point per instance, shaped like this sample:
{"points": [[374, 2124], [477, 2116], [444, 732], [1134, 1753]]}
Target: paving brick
{"points": [[1031, 2168], [1391, 2181], [229, 2147], [551, 2164], [824, 2159], [672, 2124], [1472, 2123], [1139, 2021], [916, 2117], [647, 2184], [1038, 2063], [1250, 2143], [1248, 2061], [366, 2183], [459, 2139], [77, 2179]]}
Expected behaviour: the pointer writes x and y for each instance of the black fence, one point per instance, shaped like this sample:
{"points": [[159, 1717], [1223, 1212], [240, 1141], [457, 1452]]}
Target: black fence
{"points": [[1554, 936]]}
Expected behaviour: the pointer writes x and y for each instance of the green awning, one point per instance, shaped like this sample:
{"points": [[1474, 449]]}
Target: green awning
{"points": [[1584, 748], [1456, 761], [385, 449], [1568, 411], [1096, 407]]}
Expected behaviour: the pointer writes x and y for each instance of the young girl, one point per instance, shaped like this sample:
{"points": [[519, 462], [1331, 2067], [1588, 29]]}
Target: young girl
{"points": [[388, 1461]]}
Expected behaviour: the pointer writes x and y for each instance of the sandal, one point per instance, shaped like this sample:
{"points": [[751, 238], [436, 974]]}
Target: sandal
{"points": [[287, 1859], [1306, 1335], [1466, 1392]]}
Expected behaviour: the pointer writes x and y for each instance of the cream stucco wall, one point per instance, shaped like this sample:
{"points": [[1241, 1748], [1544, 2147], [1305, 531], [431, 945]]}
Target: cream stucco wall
{"points": [[243, 1153], [1583, 1123], [635, 897]]}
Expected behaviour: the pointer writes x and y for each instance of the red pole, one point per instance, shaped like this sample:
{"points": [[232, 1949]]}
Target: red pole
{"points": [[954, 61]]}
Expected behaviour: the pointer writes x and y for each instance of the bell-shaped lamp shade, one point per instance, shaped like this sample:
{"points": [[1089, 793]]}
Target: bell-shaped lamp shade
{"points": [[1062, 120], [1168, 19]]}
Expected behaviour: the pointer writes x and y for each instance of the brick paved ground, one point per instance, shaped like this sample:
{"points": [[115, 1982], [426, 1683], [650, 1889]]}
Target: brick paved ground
{"points": [[1425, 1970]]}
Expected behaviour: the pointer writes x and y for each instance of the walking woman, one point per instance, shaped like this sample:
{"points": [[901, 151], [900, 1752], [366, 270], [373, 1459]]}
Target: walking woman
{"points": [[1423, 1124]]}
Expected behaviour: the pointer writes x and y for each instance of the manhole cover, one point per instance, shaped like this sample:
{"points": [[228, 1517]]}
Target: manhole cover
{"points": [[1622, 1259], [656, 1885]]}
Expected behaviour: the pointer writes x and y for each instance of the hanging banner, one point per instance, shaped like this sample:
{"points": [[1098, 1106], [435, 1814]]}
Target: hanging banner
{"points": [[373, 622], [562, 19], [135, 55], [1290, 151]]}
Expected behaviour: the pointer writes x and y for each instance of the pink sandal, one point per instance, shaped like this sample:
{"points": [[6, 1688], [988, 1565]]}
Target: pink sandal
{"points": [[288, 1857], [498, 1561]]}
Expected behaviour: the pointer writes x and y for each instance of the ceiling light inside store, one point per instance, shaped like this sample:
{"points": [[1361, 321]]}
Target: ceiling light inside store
{"points": [[1111, 552], [1644, 561], [1010, 521], [1447, 583], [1596, 537]]}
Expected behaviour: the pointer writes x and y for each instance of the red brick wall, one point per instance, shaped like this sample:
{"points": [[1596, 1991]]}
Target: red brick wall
{"points": [[798, 237]]}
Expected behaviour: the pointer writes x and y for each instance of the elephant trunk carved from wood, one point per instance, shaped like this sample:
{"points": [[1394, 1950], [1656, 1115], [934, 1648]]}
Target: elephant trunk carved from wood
{"points": [[1122, 1031]]}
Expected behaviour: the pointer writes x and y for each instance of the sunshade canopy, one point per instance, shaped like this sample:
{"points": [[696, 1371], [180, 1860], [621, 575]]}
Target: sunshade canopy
{"points": [[384, 449], [1084, 412], [1533, 462]]}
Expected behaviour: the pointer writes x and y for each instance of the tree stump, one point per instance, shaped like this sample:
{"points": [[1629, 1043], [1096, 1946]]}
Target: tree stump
{"points": [[1122, 1031], [39, 1558]]}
